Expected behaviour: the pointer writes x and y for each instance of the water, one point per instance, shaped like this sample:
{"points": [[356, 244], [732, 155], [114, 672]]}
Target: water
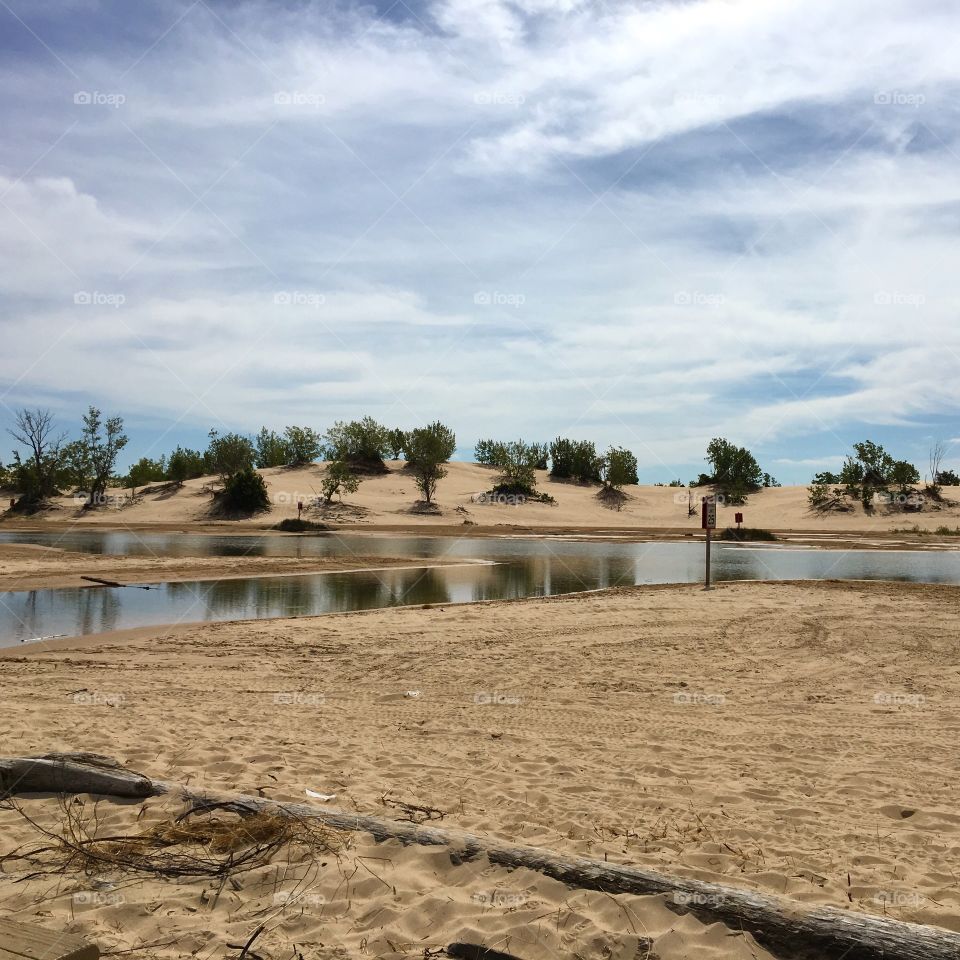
{"points": [[522, 568]]}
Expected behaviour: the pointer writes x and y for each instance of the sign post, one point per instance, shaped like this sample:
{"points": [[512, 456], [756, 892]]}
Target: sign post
{"points": [[708, 520]]}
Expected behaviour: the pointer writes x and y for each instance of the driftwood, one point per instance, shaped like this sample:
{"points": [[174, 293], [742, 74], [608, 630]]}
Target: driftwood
{"points": [[113, 583], [787, 928]]}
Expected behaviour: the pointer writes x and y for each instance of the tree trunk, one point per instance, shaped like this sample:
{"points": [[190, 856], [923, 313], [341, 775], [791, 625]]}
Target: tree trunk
{"points": [[791, 930]]}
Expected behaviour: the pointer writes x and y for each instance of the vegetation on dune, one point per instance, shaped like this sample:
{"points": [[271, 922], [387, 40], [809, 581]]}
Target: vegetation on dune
{"points": [[427, 450], [746, 534], [297, 525], [736, 472], [244, 493]]}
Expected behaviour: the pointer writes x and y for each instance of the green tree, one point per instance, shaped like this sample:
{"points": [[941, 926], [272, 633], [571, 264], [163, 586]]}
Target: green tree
{"points": [[904, 475], [619, 468], [362, 444], [735, 470], [575, 460], [303, 445], [396, 441], [338, 480], [185, 464], [146, 471], [517, 462], [229, 454], [489, 452], [103, 440], [428, 449], [271, 449]]}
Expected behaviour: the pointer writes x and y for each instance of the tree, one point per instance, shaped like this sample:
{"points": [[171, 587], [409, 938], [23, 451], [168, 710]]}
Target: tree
{"points": [[735, 470], [948, 478], [146, 471], [575, 460], [337, 480], [270, 449], [428, 449], [303, 445], [395, 441], [825, 478], [937, 454], [904, 474], [229, 454], [36, 477], [517, 462], [185, 465], [245, 492], [489, 453], [619, 468], [103, 440], [362, 444]]}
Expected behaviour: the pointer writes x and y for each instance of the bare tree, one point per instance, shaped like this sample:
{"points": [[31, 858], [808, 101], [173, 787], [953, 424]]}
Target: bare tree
{"points": [[938, 453], [34, 429]]}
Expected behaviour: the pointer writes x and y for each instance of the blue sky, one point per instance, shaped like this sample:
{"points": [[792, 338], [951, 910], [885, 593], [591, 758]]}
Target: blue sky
{"points": [[645, 223]]}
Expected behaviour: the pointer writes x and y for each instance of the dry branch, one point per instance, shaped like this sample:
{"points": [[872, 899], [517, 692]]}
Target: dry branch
{"points": [[788, 928]]}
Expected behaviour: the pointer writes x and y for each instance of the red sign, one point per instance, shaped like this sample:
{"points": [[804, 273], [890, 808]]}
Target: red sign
{"points": [[738, 518]]}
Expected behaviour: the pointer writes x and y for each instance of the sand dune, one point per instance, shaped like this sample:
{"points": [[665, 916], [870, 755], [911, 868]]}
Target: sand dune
{"points": [[386, 501], [784, 737]]}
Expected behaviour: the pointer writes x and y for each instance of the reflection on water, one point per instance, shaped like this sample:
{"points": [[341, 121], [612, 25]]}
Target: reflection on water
{"points": [[523, 568]]}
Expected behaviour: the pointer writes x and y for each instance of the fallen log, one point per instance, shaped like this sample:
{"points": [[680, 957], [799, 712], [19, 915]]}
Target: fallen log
{"points": [[113, 583], [790, 929]]}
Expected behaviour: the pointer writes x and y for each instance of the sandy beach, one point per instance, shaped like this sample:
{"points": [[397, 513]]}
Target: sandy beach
{"points": [[789, 738]]}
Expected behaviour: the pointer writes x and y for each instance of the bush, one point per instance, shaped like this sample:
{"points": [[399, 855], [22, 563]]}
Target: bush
{"points": [[489, 453], [271, 449], [746, 533], [185, 465], [244, 493], [360, 444], [619, 468], [517, 462], [293, 525], [735, 471], [302, 445], [229, 454]]}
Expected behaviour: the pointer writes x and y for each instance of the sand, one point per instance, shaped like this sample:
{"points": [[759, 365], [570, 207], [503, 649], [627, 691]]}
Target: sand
{"points": [[793, 738], [385, 502], [30, 567]]}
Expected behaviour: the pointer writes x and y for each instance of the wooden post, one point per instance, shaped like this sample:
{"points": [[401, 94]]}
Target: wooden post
{"points": [[707, 565], [24, 941]]}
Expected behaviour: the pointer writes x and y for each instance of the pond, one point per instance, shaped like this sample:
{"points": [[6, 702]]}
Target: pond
{"points": [[521, 567]]}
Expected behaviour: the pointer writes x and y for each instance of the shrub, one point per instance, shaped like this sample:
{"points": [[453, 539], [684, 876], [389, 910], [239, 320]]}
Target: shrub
{"points": [[517, 462], [396, 442], [244, 492], [185, 465], [735, 470], [746, 533], [361, 444], [619, 468], [271, 449], [489, 453], [293, 525]]}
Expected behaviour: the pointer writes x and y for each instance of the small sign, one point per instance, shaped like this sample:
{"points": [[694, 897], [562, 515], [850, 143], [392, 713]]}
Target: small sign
{"points": [[738, 519], [708, 514]]}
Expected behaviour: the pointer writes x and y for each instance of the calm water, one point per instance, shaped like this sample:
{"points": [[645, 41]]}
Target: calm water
{"points": [[522, 568]]}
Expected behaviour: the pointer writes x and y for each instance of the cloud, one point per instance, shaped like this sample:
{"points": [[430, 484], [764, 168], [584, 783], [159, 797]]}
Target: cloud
{"points": [[646, 223]]}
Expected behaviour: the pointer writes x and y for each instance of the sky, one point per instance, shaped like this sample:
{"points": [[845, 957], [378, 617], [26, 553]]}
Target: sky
{"points": [[645, 224]]}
